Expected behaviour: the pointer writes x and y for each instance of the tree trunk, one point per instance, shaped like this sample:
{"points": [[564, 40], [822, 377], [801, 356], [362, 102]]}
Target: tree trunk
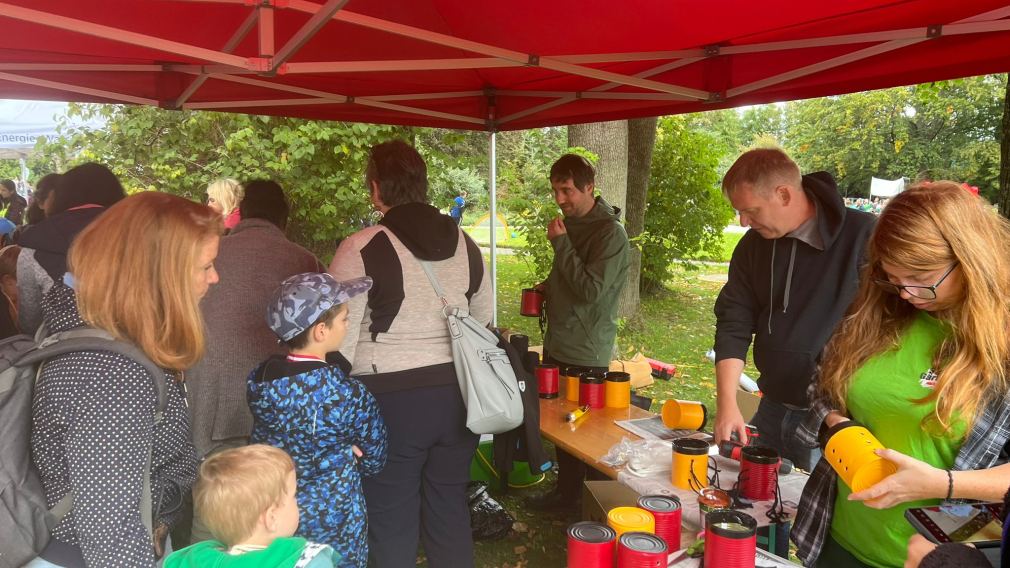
{"points": [[641, 139], [1004, 155], [609, 141]]}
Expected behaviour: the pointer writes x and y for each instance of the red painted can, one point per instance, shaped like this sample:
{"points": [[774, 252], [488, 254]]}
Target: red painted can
{"points": [[592, 389], [730, 539], [642, 550], [759, 473], [532, 303], [547, 381], [666, 511], [590, 545]]}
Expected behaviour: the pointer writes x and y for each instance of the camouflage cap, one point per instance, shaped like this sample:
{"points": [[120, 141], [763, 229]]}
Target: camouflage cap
{"points": [[301, 300]]}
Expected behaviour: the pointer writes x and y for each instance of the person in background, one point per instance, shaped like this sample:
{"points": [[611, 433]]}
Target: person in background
{"points": [[248, 497], [920, 359], [458, 205], [224, 196], [253, 261], [12, 205], [40, 204], [329, 423], [81, 195], [399, 345], [9, 289], [138, 273], [588, 274], [791, 278]]}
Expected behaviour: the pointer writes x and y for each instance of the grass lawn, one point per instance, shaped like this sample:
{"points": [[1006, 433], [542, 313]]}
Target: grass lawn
{"points": [[675, 326]]}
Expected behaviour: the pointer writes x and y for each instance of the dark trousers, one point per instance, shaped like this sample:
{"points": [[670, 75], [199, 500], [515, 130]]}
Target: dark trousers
{"points": [[571, 470], [421, 493], [777, 425]]}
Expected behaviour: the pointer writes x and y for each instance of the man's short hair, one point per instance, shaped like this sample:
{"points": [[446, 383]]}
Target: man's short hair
{"points": [[573, 167], [264, 199], [400, 172], [236, 486], [762, 169]]}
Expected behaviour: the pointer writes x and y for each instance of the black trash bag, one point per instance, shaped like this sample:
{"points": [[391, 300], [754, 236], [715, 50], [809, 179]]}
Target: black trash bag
{"points": [[488, 519]]}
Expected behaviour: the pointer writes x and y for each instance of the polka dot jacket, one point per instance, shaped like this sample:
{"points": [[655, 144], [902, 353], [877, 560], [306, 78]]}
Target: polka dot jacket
{"points": [[92, 430]]}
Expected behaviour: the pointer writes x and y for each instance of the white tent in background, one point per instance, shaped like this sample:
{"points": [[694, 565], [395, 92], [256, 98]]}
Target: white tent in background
{"points": [[885, 187], [22, 123]]}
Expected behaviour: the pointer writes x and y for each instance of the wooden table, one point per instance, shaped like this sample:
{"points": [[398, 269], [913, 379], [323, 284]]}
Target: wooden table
{"points": [[589, 437]]}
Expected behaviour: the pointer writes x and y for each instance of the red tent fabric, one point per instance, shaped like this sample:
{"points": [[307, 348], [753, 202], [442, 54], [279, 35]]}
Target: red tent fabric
{"points": [[486, 65]]}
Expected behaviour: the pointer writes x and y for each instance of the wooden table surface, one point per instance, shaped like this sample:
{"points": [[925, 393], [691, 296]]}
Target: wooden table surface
{"points": [[589, 437]]}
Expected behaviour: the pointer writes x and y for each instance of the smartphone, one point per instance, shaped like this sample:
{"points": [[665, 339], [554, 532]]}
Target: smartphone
{"points": [[980, 524]]}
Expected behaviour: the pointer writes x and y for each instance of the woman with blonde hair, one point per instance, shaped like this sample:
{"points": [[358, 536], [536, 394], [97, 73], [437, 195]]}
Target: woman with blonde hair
{"points": [[224, 196], [138, 272], [920, 360]]}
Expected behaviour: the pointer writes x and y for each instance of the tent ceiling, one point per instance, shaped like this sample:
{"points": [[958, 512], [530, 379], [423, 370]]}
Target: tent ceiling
{"points": [[486, 65]]}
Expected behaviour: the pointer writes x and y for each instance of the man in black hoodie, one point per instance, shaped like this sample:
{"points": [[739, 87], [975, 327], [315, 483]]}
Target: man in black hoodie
{"points": [[791, 279]]}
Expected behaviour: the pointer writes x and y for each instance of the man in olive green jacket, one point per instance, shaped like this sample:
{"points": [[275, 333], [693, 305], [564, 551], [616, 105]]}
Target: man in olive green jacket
{"points": [[588, 274]]}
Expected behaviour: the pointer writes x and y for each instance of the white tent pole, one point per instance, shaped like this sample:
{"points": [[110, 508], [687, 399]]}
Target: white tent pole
{"points": [[493, 176]]}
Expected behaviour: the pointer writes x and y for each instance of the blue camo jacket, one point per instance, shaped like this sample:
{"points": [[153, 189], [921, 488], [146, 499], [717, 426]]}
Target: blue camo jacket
{"points": [[316, 416]]}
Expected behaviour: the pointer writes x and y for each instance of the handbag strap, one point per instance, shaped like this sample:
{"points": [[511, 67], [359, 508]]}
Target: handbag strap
{"points": [[426, 266]]}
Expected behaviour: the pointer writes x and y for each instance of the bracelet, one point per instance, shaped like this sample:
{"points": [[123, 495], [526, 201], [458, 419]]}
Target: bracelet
{"points": [[950, 484]]}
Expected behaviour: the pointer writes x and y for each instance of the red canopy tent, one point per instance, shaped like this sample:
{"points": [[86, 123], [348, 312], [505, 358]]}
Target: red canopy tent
{"points": [[486, 65]]}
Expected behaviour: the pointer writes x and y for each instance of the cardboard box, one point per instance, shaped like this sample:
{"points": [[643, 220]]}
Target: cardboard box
{"points": [[748, 403], [599, 497]]}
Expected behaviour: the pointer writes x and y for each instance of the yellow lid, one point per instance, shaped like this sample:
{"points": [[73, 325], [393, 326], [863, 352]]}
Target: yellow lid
{"points": [[630, 518]]}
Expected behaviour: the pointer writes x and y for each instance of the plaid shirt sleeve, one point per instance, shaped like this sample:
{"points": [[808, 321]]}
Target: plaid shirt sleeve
{"points": [[981, 449]]}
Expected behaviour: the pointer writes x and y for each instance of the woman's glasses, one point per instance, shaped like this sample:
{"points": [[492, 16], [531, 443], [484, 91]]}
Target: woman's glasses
{"points": [[921, 292]]}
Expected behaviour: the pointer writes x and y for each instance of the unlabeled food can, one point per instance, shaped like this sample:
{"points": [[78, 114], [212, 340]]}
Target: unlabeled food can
{"points": [[641, 550], [684, 415], [572, 383], [592, 390], [850, 451], [631, 519], [690, 464], [666, 511], [618, 389], [591, 545]]}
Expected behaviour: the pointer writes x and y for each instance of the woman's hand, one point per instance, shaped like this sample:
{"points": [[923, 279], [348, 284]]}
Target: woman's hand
{"points": [[913, 481], [918, 548]]}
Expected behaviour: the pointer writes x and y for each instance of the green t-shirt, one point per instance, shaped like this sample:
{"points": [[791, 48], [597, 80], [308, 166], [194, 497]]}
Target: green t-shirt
{"points": [[880, 397], [282, 553]]}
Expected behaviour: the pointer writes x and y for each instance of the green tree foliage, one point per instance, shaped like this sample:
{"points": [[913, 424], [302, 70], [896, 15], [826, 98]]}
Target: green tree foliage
{"points": [[10, 169], [939, 130], [761, 123], [319, 164], [686, 211], [524, 164]]}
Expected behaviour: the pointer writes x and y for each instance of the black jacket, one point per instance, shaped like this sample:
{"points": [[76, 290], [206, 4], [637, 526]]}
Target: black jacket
{"points": [[790, 296], [522, 443]]}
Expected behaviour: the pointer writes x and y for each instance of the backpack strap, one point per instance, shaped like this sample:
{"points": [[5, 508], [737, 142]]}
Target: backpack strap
{"points": [[91, 339]]}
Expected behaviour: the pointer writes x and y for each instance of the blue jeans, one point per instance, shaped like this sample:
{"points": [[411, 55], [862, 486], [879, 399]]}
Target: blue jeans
{"points": [[777, 425]]}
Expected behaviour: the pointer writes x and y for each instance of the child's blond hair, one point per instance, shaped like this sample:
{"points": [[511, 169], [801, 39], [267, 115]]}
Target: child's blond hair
{"points": [[236, 486]]}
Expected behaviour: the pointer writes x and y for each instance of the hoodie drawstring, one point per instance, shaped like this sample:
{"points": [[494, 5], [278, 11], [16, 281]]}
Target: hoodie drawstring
{"points": [[771, 288], [789, 283], [789, 278]]}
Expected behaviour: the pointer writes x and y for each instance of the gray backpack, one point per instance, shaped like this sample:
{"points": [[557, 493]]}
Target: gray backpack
{"points": [[25, 521]]}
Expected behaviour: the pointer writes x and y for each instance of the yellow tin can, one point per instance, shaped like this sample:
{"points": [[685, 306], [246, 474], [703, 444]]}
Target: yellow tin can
{"points": [[631, 519], [684, 414], [850, 452]]}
